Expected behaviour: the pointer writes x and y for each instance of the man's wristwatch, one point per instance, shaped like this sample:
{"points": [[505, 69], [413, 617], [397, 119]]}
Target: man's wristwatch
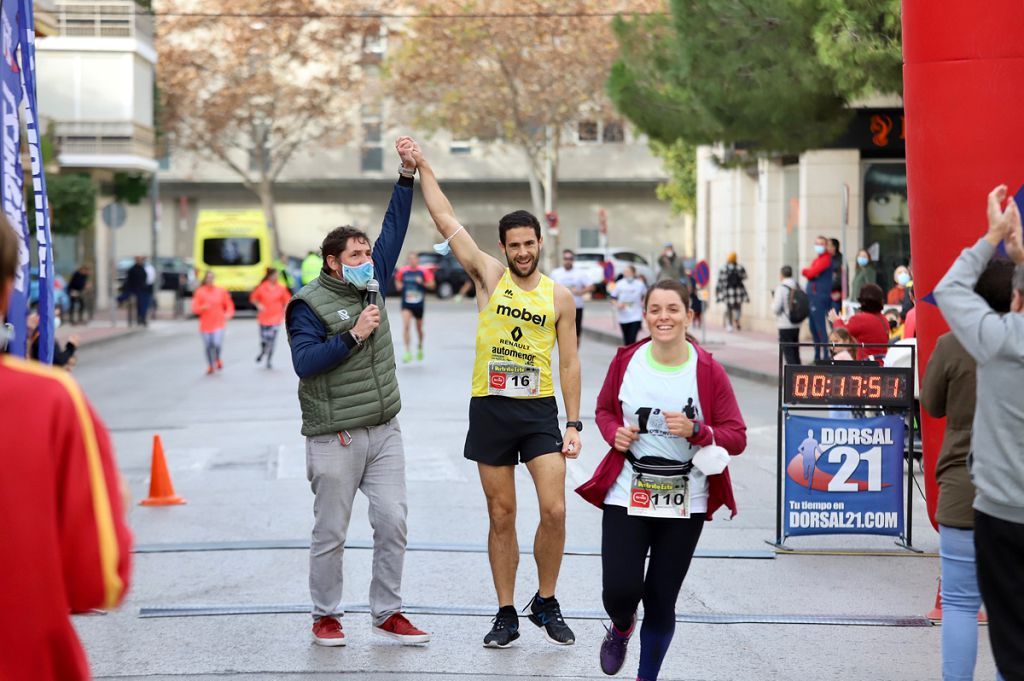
{"points": [[405, 172], [355, 337], [696, 428], [578, 425]]}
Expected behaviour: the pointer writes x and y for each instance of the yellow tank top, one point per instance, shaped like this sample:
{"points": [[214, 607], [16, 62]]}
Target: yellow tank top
{"points": [[514, 339]]}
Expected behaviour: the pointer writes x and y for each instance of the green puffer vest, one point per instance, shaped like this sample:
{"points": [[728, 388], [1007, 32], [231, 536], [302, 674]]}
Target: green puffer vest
{"points": [[363, 389]]}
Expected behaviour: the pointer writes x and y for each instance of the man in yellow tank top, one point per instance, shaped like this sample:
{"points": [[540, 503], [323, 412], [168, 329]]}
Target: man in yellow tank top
{"points": [[513, 415]]}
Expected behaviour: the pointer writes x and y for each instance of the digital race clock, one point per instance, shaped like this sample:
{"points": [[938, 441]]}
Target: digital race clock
{"points": [[848, 384]]}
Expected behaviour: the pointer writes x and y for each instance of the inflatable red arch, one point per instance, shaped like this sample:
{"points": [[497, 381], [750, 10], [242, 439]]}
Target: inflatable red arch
{"points": [[963, 75]]}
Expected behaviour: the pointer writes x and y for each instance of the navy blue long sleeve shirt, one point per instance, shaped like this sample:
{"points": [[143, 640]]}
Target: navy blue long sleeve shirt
{"points": [[313, 353]]}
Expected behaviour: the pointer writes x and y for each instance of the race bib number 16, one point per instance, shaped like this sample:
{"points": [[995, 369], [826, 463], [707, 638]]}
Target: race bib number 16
{"points": [[513, 380]]}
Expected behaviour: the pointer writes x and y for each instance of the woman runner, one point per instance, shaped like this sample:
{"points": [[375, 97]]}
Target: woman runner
{"points": [[270, 299], [214, 307], [662, 401]]}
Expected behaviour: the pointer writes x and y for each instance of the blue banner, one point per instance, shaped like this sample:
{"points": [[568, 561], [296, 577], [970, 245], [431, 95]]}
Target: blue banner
{"points": [[12, 195], [46, 282], [844, 476]]}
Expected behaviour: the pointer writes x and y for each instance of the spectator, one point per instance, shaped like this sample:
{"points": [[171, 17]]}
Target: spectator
{"points": [[78, 289], [864, 274], [789, 331], [696, 304], [731, 291], [67, 547], [838, 274], [898, 292], [892, 318], [628, 295], [949, 392], [994, 341], [62, 357], [135, 289], [311, 267], [577, 282], [670, 265], [837, 339], [819, 290], [868, 326], [150, 288]]}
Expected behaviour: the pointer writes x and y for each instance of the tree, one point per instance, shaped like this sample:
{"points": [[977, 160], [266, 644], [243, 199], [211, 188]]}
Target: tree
{"points": [[261, 82], [524, 76], [72, 201], [764, 75], [680, 190]]}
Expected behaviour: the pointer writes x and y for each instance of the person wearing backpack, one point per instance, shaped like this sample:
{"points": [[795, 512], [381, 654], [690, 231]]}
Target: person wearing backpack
{"points": [[787, 312], [731, 291]]}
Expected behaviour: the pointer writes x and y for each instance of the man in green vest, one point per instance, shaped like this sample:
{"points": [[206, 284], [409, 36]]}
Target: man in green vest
{"points": [[312, 265], [341, 349]]}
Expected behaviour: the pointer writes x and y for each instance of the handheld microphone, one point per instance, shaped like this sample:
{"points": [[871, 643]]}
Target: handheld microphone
{"points": [[372, 289]]}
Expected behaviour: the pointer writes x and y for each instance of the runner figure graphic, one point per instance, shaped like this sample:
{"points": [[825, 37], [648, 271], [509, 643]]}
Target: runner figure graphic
{"points": [[810, 450]]}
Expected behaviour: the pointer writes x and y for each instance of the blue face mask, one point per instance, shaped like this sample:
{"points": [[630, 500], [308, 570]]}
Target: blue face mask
{"points": [[444, 248], [358, 276], [903, 279], [819, 249], [862, 261]]}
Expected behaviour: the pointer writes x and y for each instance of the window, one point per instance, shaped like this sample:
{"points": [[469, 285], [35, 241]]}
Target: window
{"points": [[254, 159], [231, 251], [460, 147], [613, 132], [371, 157], [589, 237], [587, 131]]}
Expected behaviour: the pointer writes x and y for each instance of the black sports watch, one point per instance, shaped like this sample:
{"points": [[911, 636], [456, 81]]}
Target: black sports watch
{"points": [[578, 425]]}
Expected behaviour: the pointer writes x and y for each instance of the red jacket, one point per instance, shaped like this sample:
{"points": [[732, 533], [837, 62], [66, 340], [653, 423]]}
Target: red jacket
{"points": [[721, 413], [820, 264], [214, 307], [271, 299], [66, 546], [867, 327]]}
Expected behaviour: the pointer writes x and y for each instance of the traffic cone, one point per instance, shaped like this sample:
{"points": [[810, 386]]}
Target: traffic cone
{"points": [[935, 614], [161, 490]]}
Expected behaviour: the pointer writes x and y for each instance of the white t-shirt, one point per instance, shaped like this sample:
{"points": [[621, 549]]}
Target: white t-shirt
{"points": [[632, 294], [648, 390], [572, 280]]}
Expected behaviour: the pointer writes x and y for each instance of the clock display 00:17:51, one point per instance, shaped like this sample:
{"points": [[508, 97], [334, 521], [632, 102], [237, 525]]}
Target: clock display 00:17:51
{"points": [[847, 385]]}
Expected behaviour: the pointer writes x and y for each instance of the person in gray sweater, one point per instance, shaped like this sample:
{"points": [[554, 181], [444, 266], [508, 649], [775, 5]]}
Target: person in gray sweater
{"points": [[996, 461]]}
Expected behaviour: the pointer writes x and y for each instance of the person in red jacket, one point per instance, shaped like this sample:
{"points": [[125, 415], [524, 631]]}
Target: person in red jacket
{"points": [[868, 327], [66, 545], [819, 291], [214, 307], [663, 399], [270, 299]]}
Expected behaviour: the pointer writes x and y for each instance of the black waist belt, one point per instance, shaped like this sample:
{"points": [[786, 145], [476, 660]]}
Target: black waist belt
{"points": [[656, 465]]}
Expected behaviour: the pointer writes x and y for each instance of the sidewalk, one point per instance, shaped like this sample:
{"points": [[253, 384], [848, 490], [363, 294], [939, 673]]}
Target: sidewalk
{"points": [[747, 354], [97, 332]]}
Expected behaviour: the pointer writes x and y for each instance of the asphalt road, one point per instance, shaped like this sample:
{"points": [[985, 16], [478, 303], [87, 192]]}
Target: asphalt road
{"points": [[236, 455]]}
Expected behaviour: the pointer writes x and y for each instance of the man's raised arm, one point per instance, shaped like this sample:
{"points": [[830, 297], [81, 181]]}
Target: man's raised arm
{"points": [[475, 261]]}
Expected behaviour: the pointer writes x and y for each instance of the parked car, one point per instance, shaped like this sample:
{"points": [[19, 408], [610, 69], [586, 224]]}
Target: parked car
{"points": [[591, 261], [450, 277]]}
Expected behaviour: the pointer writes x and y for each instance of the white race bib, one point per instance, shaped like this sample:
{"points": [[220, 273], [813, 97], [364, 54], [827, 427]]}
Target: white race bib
{"points": [[512, 380], [659, 496]]}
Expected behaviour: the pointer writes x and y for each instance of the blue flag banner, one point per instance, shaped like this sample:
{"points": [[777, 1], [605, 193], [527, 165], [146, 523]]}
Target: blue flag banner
{"points": [[46, 283], [12, 194], [844, 476]]}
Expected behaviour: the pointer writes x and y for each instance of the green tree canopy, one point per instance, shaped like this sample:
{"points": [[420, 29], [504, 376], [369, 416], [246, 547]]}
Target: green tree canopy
{"points": [[768, 75], [72, 201]]}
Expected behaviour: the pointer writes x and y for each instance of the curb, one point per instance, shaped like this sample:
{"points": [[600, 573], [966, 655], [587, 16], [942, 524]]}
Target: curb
{"points": [[732, 369], [103, 340]]}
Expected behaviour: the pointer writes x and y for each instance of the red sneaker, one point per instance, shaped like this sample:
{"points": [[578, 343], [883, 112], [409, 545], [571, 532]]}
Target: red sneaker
{"points": [[209, 370], [401, 629], [327, 632], [220, 364]]}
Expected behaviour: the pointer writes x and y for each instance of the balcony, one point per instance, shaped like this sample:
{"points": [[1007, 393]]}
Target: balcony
{"points": [[105, 144], [111, 19]]}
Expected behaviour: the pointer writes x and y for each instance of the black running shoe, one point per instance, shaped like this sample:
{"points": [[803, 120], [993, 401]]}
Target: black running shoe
{"points": [[549, 616], [504, 631]]}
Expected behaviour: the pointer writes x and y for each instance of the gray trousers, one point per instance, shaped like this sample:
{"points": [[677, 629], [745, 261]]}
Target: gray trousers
{"points": [[374, 462]]}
